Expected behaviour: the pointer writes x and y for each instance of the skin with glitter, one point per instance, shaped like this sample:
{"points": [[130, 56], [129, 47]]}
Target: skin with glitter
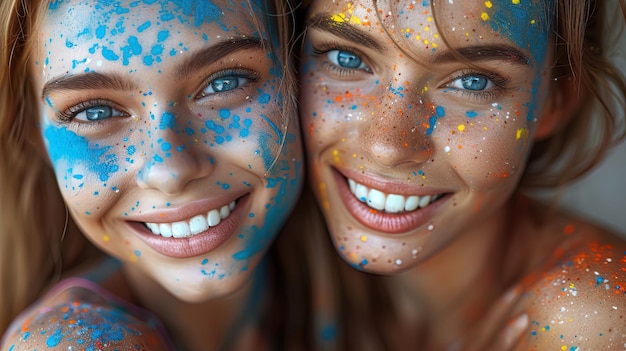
{"points": [[163, 121], [416, 146]]}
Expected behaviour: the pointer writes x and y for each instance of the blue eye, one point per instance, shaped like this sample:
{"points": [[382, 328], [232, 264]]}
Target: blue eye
{"points": [[224, 84], [346, 59], [97, 113], [472, 82]]}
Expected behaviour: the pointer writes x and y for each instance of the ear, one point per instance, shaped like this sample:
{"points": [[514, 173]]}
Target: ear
{"points": [[560, 107]]}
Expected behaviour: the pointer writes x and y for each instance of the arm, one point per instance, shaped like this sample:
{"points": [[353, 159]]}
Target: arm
{"points": [[79, 316]]}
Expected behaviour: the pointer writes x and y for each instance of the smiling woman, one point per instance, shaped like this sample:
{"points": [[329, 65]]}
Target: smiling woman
{"points": [[426, 122], [169, 128]]}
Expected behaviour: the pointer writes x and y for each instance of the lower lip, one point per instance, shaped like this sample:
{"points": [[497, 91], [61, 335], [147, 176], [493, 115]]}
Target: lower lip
{"points": [[391, 223], [198, 244]]}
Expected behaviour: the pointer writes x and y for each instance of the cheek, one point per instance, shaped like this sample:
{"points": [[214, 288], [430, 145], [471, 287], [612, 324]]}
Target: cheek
{"points": [[488, 148], [77, 161]]}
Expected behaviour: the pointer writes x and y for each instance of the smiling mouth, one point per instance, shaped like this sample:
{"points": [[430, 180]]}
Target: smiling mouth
{"points": [[390, 203], [196, 225]]}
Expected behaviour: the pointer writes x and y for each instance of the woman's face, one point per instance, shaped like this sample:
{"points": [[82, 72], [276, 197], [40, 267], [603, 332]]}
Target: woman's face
{"points": [[410, 144], [163, 122]]}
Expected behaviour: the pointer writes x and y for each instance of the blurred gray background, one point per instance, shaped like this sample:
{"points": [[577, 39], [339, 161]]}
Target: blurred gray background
{"points": [[601, 195]]}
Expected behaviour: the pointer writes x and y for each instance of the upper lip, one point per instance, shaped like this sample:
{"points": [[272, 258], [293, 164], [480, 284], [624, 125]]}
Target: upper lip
{"points": [[390, 186], [186, 212]]}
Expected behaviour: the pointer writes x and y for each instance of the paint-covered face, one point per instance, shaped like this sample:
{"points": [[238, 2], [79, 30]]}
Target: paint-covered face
{"points": [[410, 144], [163, 121]]}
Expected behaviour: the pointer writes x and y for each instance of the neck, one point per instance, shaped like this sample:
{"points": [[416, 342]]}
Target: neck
{"points": [[222, 323], [453, 289]]}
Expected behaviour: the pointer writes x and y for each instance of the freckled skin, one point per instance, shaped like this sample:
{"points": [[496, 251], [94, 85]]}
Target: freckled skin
{"points": [[79, 317], [389, 108], [146, 130], [577, 301], [172, 138]]}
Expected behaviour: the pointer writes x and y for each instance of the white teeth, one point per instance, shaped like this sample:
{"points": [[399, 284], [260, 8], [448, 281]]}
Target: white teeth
{"points": [[224, 212], [165, 229], [213, 218], [196, 225], [394, 203], [352, 185], [376, 199], [361, 192], [390, 203], [424, 201], [154, 228], [412, 202], [180, 230]]}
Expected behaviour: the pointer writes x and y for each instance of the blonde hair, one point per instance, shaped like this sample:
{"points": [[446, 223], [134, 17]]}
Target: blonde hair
{"points": [[33, 217], [582, 54], [31, 211]]}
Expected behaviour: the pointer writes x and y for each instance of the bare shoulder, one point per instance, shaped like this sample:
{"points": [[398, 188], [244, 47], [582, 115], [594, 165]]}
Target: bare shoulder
{"points": [[578, 300], [75, 317]]}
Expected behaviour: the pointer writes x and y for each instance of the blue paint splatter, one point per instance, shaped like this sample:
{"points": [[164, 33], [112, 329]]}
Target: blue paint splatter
{"points": [[432, 120], [203, 11], [471, 114], [109, 54], [168, 120], [66, 145], [55, 339], [144, 26]]}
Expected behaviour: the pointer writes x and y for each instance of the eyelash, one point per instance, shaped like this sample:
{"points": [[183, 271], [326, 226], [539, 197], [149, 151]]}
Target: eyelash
{"points": [[341, 72], [500, 85], [323, 49], [70, 113], [251, 76]]}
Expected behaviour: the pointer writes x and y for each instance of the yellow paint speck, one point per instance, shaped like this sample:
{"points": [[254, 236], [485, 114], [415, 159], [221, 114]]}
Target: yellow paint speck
{"points": [[516, 2], [461, 127], [105, 238], [339, 18], [363, 238], [484, 16], [488, 4]]}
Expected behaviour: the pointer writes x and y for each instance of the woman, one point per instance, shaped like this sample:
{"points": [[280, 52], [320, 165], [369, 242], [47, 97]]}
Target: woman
{"points": [[169, 128], [424, 123]]}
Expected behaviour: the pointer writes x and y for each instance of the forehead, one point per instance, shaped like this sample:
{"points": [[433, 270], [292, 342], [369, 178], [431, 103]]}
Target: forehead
{"points": [[224, 13], [140, 33], [525, 23]]}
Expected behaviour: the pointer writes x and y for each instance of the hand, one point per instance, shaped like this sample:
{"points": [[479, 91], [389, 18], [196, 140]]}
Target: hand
{"points": [[497, 330]]}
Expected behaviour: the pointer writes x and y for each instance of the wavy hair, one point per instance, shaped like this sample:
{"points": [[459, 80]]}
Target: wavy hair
{"points": [[35, 243]]}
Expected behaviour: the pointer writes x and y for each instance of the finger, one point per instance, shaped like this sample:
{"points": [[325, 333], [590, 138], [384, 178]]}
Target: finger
{"points": [[511, 335], [494, 321]]}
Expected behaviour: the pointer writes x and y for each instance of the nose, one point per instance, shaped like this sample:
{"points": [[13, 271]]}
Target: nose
{"points": [[398, 132], [173, 159]]}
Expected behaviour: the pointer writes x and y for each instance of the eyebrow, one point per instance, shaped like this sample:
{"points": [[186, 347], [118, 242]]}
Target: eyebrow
{"points": [[115, 81], [87, 81], [483, 53], [324, 22], [213, 53]]}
